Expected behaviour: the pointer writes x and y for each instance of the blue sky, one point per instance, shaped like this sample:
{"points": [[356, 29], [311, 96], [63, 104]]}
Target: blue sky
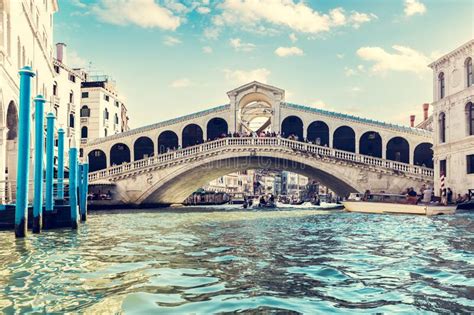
{"points": [[170, 57]]}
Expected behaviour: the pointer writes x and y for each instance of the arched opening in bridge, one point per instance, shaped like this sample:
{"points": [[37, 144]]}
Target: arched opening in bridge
{"points": [[255, 113], [216, 128], [292, 126], [12, 121], [192, 135], [398, 150], [424, 155], [344, 139], [371, 144], [97, 160], [143, 148], [167, 140], [318, 133], [119, 154]]}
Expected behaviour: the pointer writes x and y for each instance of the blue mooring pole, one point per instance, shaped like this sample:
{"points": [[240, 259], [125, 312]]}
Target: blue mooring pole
{"points": [[60, 194], [49, 204], [73, 183], [39, 153], [23, 167], [84, 189]]}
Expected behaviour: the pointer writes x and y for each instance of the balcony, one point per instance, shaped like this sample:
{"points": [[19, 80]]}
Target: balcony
{"points": [[71, 132], [84, 120], [83, 140], [56, 100]]}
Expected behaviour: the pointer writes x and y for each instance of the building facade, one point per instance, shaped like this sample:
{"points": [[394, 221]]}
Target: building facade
{"points": [[103, 112], [453, 117], [26, 38]]}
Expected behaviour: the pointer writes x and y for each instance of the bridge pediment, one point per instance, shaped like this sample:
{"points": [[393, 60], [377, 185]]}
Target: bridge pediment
{"points": [[256, 88]]}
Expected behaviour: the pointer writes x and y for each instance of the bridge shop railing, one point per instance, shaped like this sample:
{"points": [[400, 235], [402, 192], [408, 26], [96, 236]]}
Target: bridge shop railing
{"points": [[316, 151]]}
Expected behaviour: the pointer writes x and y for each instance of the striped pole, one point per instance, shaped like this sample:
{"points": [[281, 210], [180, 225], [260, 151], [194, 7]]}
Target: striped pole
{"points": [[39, 168], [23, 166]]}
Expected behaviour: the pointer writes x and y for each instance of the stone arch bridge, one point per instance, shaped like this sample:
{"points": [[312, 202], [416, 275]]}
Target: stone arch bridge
{"points": [[165, 162]]}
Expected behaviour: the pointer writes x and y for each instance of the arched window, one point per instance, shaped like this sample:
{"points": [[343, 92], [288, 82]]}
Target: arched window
{"points": [[106, 114], [469, 71], [318, 133], [71, 97], [85, 111], [442, 127], [84, 132], [216, 128], [371, 144], [116, 119], [168, 140], [292, 126], [470, 118], [119, 153], [97, 160], [191, 135], [105, 132], [423, 155], [398, 150], [143, 148], [344, 139], [441, 85], [55, 88], [71, 120]]}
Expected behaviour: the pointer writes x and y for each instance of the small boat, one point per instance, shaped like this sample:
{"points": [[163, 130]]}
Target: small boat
{"points": [[467, 206], [393, 204]]}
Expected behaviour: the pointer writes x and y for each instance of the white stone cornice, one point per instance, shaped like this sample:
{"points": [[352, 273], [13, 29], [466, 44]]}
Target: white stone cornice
{"points": [[464, 49]]}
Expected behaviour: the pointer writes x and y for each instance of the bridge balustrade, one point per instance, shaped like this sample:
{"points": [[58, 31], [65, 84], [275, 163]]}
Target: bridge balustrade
{"points": [[320, 151]]}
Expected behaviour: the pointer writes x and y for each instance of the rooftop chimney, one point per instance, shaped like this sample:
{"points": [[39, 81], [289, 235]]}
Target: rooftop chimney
{"points": [[426, 107], [61, 52], [412, 121]]}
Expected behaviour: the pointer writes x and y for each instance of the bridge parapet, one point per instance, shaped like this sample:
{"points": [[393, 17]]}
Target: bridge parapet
{"points": [[252, 145]]}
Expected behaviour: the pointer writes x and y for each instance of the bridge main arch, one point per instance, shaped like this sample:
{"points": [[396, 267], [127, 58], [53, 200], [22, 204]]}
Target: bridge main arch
{"points": [[178, 184]]}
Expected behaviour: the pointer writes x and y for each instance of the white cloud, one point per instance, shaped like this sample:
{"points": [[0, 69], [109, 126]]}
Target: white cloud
{"points": [[413, 7], [171, 41], [74, 60], [143, 13], [176, 6], [245, 76], [293, 37], [207, 50], [337, 16], [203, 10], [289, 51], [357, 19], [78, 3], [404, 59], [180, 83], [349, 72], [298, 16], [211, 32], [238, 45]]}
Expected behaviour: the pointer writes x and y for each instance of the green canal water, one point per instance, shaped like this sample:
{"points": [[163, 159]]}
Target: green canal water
{"points": [[196, 262]]}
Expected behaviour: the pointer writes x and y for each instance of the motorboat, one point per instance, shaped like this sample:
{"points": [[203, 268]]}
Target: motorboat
{"points": [[467, 206], [393, 204]]}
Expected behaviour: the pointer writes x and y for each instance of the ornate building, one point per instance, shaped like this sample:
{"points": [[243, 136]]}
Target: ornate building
{"points": [[453, 117]]}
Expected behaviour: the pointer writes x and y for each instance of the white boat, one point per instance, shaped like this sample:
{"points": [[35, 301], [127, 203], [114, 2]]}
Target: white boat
{"points": [[393, 204]]}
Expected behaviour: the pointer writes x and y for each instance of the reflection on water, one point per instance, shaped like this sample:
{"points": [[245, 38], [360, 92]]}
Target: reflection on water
{"points": [[207, 262]]}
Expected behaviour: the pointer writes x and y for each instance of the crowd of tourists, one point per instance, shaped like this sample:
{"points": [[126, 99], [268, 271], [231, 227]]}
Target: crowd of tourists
{"points": [[427, 195]]}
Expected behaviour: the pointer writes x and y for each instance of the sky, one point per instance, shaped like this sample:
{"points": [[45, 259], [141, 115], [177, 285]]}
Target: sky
{"points": [[173, 57]]}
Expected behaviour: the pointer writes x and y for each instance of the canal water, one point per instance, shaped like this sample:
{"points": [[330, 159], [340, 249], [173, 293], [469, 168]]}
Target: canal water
{"points": [[202, 262]]}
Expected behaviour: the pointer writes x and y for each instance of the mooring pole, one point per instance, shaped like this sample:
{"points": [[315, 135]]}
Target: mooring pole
{"points": [[60, 193], [23, 167], [39, 152], [73, 183], [49, 205], [84, 189]]}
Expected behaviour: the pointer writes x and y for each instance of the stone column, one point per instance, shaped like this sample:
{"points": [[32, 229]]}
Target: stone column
{"points": [[3, 153]]}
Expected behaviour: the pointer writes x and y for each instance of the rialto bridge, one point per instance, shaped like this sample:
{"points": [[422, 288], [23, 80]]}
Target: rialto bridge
{"points": [[165, 162]]}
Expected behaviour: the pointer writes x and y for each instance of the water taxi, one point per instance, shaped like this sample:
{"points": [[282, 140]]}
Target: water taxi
{"points": [[393, 204]]}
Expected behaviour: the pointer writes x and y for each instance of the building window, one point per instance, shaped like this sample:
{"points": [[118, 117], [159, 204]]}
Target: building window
{"points": [[106, 114], [85, 94], [442, 168], [55, 89], [71, 97], [72, 78], [85, 111], [117, 104], [470, 118], [116, 119], [84, 133], [71, 120], [470, 164], [441, 84], [469, 71], [106, 97], [56, 69], [442, 127]]}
